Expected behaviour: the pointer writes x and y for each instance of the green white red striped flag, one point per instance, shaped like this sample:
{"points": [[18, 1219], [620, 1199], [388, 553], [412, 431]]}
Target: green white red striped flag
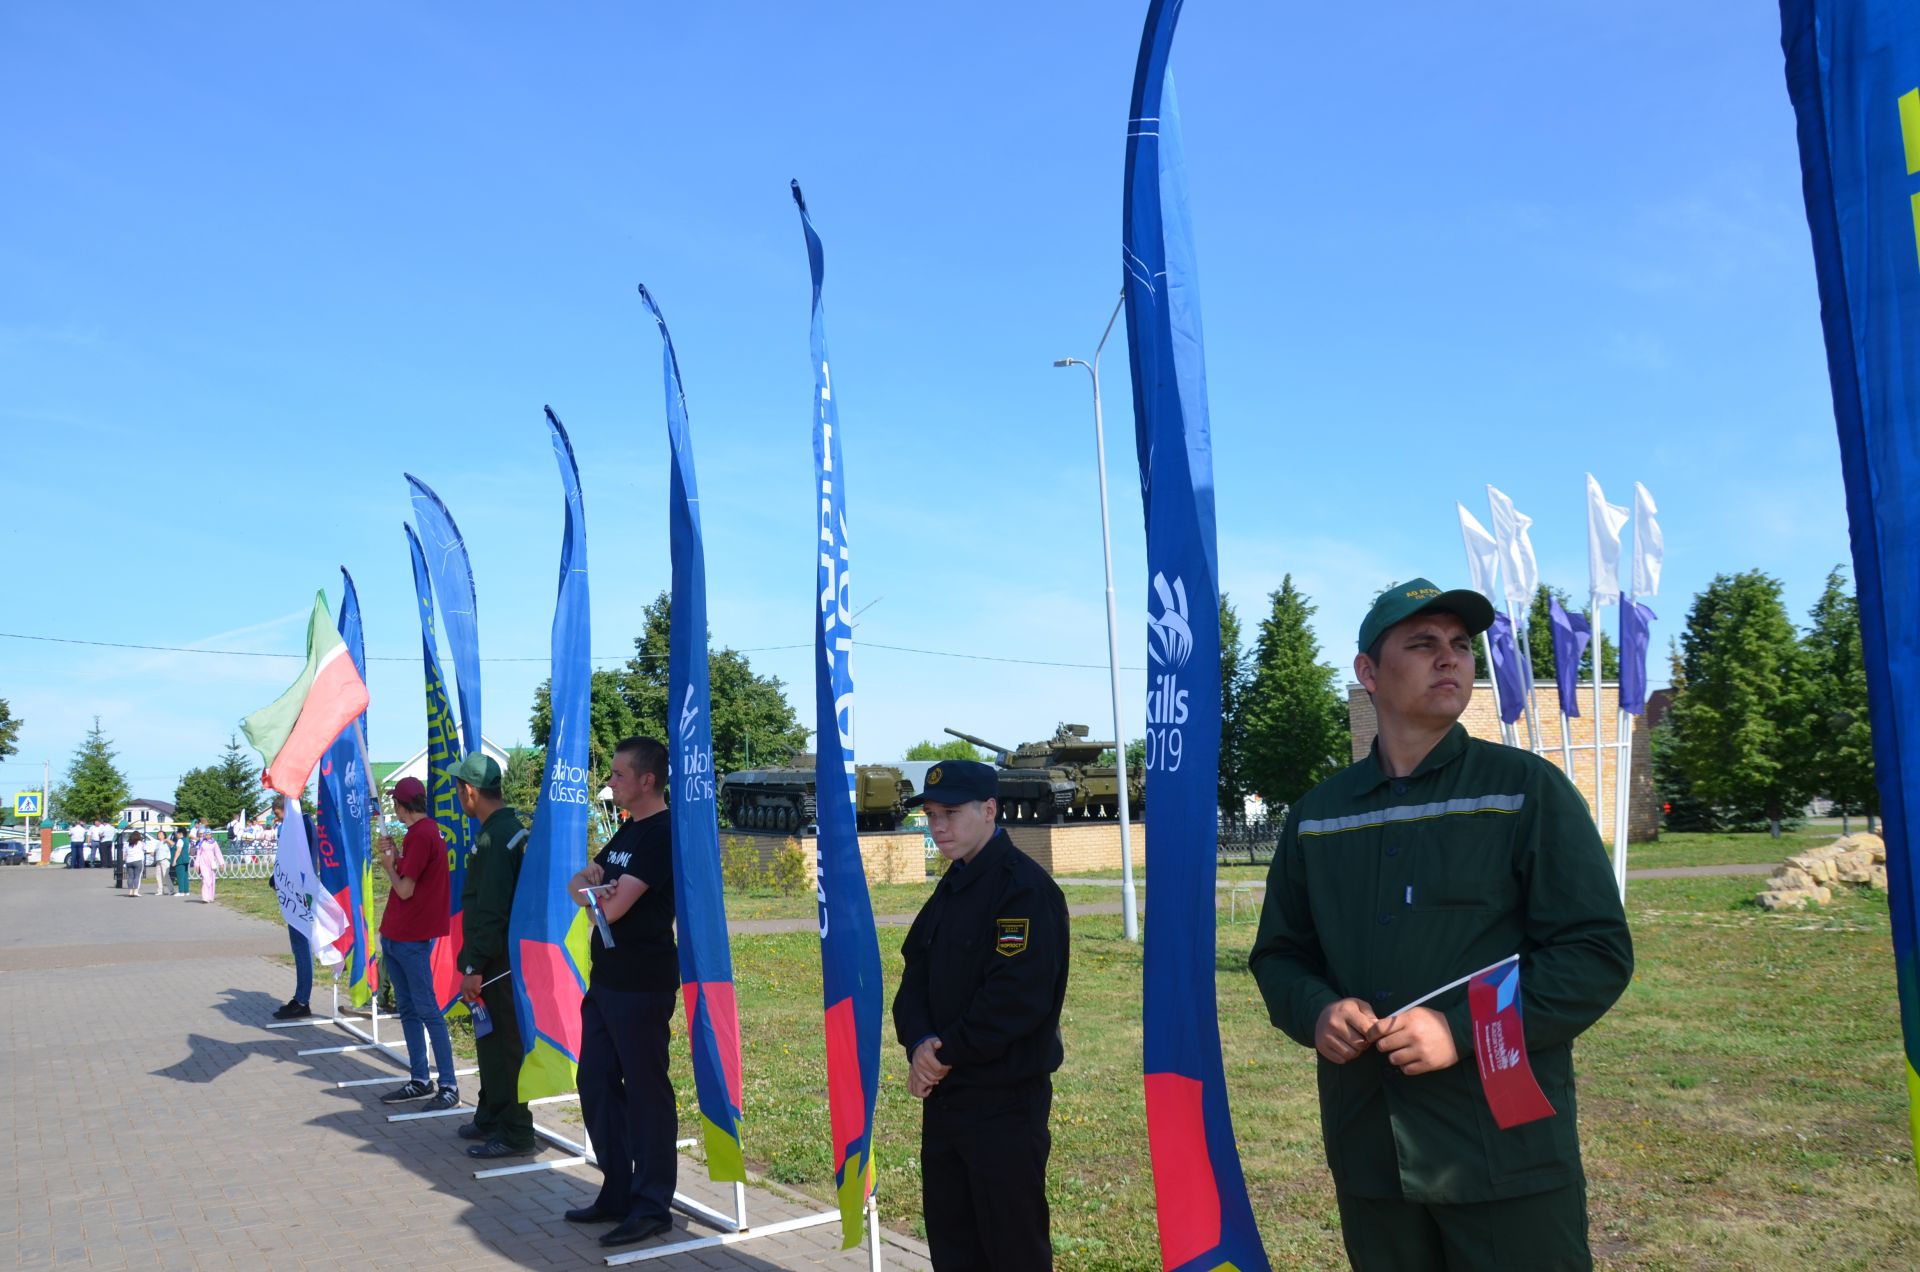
{"points": [[295, 729]]}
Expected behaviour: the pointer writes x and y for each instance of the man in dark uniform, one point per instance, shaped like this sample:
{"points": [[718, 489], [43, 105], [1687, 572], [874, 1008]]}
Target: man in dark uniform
{"points": [[502, 1123], [979, 1014], [626, 1097], [1434, 857]]}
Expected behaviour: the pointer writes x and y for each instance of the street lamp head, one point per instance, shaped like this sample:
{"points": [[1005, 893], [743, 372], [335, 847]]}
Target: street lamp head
{"points": [[1063, 362]]}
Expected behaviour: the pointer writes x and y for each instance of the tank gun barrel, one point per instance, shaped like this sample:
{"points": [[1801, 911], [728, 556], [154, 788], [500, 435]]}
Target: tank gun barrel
{"points": [[1000, 752]]}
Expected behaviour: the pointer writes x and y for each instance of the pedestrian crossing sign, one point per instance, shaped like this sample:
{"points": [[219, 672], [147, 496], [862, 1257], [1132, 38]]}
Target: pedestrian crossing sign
{"points": [[26, 804]]}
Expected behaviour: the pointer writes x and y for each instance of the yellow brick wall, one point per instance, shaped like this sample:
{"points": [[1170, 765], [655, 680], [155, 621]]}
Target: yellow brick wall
{"points": [[1078, 847], [899, 857], [1483, 721]]}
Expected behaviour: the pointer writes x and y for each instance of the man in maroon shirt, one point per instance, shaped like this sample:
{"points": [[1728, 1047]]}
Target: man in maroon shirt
{"points": [[418, 906]]}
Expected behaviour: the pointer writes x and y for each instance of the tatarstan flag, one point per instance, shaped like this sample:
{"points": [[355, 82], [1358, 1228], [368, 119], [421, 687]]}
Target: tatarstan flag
{"points": [[293, 731]]}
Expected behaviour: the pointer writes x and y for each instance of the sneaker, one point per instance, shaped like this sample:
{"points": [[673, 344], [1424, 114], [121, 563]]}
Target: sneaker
{"points": [[291, 1010], [445, 1098], [413, 1090]]}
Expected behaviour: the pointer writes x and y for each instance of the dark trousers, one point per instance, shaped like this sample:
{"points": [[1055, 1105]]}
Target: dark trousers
{"points": [[1546, 1232], [626, 1099], [500, 1112], [983, 1163], [302, 965]]}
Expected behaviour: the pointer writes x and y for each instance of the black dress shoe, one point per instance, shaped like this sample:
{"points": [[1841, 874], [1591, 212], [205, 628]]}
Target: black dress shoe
{"points": [[636, 1228], [498, 1148], [472, 1131], [591, 1214]]}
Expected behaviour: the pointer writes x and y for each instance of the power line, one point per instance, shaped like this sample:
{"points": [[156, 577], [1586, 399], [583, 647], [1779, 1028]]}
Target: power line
{"points": [[758, 649]]}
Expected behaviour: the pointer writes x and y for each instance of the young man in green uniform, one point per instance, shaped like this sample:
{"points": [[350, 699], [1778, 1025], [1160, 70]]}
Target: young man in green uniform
{"points": [[502, 1123], [1433, 857]]}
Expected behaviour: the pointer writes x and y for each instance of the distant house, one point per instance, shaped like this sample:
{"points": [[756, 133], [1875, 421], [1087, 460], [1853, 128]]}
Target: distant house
{"points": [[144, 814]]}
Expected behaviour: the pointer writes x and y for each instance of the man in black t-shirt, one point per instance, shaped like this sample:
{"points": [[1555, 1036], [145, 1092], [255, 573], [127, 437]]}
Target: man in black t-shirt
{"points": [[626, 1097]]}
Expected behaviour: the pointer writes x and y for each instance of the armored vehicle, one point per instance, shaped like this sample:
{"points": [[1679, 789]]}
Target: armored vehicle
{"points": [[783, 798], [1060, 778]]}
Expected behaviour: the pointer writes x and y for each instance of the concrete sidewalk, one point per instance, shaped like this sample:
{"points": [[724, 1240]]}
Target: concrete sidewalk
{"points": [[154, 1123]]}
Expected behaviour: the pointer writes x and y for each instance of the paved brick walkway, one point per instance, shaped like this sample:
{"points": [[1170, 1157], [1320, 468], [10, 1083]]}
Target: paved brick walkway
{"points": [[150, 1122]]}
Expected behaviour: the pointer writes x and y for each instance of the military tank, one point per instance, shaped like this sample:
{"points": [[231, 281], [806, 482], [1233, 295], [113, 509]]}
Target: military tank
{"points": [[783, 798], [1060, 779]]}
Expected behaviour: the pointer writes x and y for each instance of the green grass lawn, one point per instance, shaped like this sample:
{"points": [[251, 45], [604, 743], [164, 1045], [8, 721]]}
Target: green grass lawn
{"points": [[1743, 1105], [1686, 848]]}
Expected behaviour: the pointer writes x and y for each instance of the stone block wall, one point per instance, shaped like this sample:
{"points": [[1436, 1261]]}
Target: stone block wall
{"points": [[1078, 847], [891, 857], [1483, 721]]}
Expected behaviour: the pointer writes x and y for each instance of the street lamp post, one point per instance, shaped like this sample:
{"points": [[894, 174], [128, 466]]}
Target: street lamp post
{"points": [[1127, 902]]}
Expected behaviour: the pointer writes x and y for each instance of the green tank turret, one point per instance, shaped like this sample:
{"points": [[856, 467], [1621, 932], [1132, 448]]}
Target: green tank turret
{"points": [[1060, 778], [784, 799]]}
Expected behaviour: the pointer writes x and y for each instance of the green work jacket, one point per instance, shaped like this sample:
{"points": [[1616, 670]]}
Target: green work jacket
{"points": [[1385, 888], [486, 900]]}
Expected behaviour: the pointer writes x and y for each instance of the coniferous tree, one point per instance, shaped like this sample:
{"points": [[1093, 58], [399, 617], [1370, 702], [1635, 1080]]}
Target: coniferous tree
{"points": [[1837, 700], [1235, 676], [9, 731], [1740, 726], [95, 789], [1295, 719], [1539, 630], [220, 790]]}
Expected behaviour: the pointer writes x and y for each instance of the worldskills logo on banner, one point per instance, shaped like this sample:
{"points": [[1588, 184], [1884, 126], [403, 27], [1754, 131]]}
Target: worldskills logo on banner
{"points": [[566, 783], [1169, 646], [695, 775]]}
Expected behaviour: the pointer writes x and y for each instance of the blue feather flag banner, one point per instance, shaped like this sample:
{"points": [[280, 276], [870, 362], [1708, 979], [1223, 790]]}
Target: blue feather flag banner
{"points": [[706, 959], [344, 825], [443, 795], [1205, 1218], [452, 575], [1853, 72], [849, 946], [549, 935]]}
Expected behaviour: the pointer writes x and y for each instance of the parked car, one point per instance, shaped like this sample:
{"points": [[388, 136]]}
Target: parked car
{"points": [[13, 853]]}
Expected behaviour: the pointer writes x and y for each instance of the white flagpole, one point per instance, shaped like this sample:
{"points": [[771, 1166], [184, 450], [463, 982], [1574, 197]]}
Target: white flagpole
{"points": [[1599, 778]]}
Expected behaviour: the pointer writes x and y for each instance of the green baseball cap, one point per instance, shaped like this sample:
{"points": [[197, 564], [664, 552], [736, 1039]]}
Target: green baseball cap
{"points": [[477, 769], [1402, 601]]}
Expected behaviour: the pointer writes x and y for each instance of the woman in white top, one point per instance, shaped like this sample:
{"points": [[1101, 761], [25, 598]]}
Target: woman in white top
{"points": [[136, 857]]}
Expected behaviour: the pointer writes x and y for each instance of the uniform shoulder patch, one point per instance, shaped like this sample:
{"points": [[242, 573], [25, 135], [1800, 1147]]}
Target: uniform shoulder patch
{"points": [[1009, 936]]}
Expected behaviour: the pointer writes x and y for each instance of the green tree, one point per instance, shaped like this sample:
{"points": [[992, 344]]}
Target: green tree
{"points": [[9, 731], [751, 716], [218, 791], [951, 749], [1837, 700], [520, 779], [95, 789], [1681, 809], [1296, 721], [1235, 678], [1740, 734]]}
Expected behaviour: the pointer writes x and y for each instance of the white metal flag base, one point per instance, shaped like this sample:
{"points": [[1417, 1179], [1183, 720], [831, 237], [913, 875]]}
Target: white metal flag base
{"points": [[734, 1229]]}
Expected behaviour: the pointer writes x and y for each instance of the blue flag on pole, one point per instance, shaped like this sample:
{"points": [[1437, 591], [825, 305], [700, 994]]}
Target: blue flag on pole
{"points": [[706, 958], [443, 796], [1636, 623], [344, 827], [1571, 632], [849, 947], [1853, 72], [452, 575], [1205, 1218], [548, 934], [1508, 675]]}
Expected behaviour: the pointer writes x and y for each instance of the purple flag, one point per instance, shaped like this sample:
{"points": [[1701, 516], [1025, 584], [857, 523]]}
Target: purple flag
{"points": [[1634, 621], [1571, 632], [1507, 676]]}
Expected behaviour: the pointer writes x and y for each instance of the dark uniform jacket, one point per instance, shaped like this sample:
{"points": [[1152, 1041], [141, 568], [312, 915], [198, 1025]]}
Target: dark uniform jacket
{"points": [[987, 972], [1383, 889], [486, 901]]}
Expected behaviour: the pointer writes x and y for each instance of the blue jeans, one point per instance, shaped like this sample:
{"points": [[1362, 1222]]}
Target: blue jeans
{"points": [[410, 971], [302, 966]]}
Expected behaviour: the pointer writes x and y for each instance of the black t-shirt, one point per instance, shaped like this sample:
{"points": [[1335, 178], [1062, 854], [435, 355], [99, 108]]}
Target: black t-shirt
{"points": [[643, 955]]}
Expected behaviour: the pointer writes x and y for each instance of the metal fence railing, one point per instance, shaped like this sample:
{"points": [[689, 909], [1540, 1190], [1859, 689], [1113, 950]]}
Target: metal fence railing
{"points": [[1251, 843]]}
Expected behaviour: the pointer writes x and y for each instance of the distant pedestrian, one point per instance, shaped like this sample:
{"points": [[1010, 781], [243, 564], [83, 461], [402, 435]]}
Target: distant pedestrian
{"points": [[76, 845], [208, 861], [100, 844], [134, 859]]}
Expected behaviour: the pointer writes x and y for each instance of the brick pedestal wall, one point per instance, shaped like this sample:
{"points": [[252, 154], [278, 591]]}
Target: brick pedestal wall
{"points": [[895, 857], [1483, 721], [1078, 847]]}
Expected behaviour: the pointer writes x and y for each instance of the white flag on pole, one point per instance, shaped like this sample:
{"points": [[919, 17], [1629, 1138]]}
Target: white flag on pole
{"points": [[1648, 547], [1604, 523], [1483, 553], [307, 907], [1518, 567]]}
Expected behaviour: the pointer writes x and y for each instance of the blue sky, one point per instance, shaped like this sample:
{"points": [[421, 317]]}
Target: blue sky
{"points": [[257, 261]]}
